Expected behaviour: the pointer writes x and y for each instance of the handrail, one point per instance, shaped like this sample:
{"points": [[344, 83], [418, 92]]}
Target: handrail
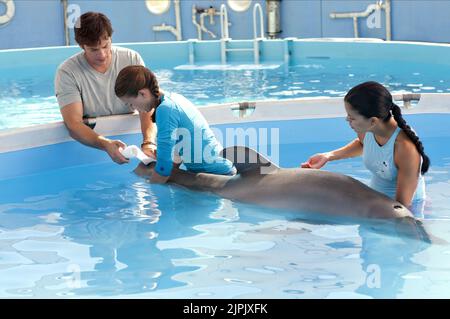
{"points": [[261, 21], [224, 16]]}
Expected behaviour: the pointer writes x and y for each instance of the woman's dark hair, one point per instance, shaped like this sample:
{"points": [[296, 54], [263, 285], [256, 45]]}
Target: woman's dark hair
{"points": [[133, 78], [91, 28], [371, 99]]}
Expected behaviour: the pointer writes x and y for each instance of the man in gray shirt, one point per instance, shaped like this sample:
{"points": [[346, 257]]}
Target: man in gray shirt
{"points": [[84, 86]]}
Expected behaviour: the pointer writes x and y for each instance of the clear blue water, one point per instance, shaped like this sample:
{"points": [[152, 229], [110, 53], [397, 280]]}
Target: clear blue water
{"points": [[98, 230], [27, 96]]}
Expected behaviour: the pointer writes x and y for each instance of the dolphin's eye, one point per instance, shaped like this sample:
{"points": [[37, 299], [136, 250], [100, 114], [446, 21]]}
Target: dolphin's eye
{"points": [[397, 207]]}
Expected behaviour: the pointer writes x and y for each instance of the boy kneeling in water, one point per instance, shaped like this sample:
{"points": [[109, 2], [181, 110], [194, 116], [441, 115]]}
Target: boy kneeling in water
{"points": [[138, 87]]}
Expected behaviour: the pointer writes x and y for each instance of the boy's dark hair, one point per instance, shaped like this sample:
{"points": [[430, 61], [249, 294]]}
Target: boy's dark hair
{"points": [[91, 28], [133, 78]]}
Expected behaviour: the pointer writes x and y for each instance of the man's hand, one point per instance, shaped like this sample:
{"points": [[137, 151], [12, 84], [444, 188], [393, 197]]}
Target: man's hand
{"points": [[112, 148], [73, 119]]}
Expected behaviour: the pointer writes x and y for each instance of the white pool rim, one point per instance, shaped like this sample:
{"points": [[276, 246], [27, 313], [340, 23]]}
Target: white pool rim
{"points": [[265, 110]]}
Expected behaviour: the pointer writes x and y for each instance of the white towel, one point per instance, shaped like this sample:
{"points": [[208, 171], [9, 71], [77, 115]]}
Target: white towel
{"points": [[132, 151]]}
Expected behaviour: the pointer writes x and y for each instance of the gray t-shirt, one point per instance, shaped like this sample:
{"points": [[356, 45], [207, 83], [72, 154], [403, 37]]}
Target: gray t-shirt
{"points": [[77, 81]]}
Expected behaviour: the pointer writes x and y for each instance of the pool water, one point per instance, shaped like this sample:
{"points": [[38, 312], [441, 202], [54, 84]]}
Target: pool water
{"points": [[27, 94], [100, 231]]}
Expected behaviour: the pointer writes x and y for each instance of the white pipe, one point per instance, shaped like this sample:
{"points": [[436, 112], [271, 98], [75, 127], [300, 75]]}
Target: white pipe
{"points": [[176, 31], [66, 28], [194, 21], [178, 19], [261, 21], [164, 27], [202, 25], [355, 27], [370, 8], [387, 8]]}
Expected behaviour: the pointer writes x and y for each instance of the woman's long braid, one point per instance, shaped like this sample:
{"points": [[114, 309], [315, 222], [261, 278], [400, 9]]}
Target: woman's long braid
{"points": [[397, 113]]}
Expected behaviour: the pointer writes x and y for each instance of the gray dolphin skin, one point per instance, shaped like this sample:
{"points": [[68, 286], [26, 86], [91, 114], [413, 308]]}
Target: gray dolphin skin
{"points": [[295, 189]]}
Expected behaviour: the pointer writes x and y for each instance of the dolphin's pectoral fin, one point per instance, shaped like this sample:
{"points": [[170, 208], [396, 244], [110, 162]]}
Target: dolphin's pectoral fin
{"points": [[248, 160]]}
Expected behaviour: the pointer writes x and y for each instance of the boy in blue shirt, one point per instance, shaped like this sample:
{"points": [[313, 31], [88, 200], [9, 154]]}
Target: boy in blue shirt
{"points": [[178, 123]]}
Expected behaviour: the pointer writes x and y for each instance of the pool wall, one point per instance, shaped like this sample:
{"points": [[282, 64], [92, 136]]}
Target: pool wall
{"points": [[36, 149], [291, 51]]}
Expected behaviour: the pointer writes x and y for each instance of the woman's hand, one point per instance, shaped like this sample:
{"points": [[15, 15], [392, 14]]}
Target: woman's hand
{"points": [[149, 150], [316, 161]]}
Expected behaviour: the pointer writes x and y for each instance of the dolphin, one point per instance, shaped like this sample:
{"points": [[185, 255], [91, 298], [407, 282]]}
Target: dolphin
{"points": [[261, 182]]}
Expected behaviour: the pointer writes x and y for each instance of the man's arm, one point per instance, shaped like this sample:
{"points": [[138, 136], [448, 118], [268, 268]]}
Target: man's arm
{"points": [[73, 119]]}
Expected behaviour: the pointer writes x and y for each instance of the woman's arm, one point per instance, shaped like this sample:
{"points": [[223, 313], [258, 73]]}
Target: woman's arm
{"points": [[352, 149]]}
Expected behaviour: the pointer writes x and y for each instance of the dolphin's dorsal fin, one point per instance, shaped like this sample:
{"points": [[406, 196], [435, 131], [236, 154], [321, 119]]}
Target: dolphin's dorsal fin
{"points": [[248, 160]]}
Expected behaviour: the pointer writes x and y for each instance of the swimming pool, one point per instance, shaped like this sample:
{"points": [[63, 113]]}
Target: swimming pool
{"points": [[74, 224], [94, 229], [313, 69]]}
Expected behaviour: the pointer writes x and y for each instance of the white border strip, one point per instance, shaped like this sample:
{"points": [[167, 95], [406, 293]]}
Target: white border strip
{"points": [[267, 110]]}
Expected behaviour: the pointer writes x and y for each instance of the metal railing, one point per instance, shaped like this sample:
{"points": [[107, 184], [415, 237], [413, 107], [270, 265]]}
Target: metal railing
{"points": [[225, 35]]}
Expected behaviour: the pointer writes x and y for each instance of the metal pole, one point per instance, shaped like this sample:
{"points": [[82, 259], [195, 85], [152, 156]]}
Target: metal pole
{"points": [[388, 20], [66, 28]]}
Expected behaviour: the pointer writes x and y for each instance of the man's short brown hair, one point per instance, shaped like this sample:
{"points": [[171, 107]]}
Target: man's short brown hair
{"points": [[91, 28]]}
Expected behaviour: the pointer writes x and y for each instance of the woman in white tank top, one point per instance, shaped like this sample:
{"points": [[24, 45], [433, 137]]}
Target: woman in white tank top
{"points": [[391, 150]]}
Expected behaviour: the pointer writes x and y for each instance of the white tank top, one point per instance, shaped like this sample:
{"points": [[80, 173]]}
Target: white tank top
{"points": [[380, 161]]}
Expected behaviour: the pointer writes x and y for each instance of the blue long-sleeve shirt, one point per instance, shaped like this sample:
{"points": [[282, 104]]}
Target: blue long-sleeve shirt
{"points": [[183, 130]]}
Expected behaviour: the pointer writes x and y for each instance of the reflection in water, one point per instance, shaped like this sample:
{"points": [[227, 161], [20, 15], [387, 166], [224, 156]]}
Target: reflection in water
{"points": [[276, 255], [120, 226], [387, 258]]}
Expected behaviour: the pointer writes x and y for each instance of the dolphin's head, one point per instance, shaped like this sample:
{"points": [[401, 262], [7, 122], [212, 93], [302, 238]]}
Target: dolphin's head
{"points": [[143, 170], [400, 217], [412, 228]]}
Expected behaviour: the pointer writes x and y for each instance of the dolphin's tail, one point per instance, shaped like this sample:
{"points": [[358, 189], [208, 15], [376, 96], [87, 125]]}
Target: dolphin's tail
{"points": [[247, 160]]}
